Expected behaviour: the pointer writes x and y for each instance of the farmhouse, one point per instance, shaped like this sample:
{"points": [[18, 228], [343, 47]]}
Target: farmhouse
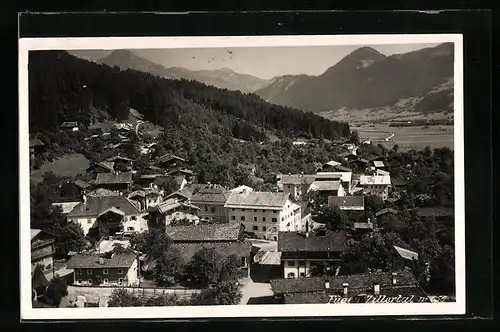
{"points": [[170, 161], [114, 181], [296, 185], [211, 199], [173, 209], [264, 214], [42, 250], [146, 198], [93, 270], [377, 185]]}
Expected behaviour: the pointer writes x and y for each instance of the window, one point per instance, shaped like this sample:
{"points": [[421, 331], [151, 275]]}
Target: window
{"points": [[233, 217], [274, 219], [289, 186], [302, 263], [302, 274], [78, 281], [105, 271], [242, 217], [263, 210], [120, 281], [264, 237], [120, 271], [89, 272], [243, 210], [291, 263], [254, 210], [233, 209], [106, 281], [264, 228], [291, 275], [275, 238], [89, 281], [206, 209], [255, 228], [282, 219], [275, 229], [263, 218], [89, 221], [212, 210], [79, 272], [134, 218], [131, 228], [254, 218]]}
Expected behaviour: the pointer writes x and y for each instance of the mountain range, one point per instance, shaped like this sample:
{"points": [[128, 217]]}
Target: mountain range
{"points": [[364, 79], [221, 78]]}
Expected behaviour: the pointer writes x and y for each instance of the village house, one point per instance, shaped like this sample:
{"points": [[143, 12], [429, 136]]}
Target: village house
{"points": [[146, 198], [378, 164], [374, 287], [386, 211], [241, 188], [36, 146], [329, 184], [211, 199], [70, 126], [111, 213], [66, 207], [122, 164], [330, 166], [264, 214], [93, 270], [114, 181], [377, 185], [296, 185], [347, 203], [172, 209], [102, 167], [184, 173], [399, 184], [181, 195], [302, 252], [147, 180], [42, 250], [345, 178], [83, 186]]}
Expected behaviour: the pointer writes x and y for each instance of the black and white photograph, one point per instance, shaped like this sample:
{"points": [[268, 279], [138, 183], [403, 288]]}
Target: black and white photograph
{"points": [[280, 176]]}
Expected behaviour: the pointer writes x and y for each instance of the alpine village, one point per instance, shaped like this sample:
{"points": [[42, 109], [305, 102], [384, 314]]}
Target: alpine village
{"points": [[150, 191]]}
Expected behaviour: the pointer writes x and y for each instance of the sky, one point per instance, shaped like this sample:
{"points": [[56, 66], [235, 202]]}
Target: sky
{"points": [[264, 62]]}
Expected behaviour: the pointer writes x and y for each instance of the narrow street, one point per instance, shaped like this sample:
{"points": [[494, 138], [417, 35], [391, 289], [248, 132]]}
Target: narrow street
{"points": [[254, 292]]}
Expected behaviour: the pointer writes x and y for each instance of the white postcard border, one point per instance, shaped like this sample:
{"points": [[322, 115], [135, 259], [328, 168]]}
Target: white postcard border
{"points": [[302, 310]]}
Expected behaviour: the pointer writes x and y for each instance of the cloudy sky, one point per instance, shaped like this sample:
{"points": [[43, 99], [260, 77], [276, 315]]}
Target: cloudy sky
{"points": [[263, 62]]}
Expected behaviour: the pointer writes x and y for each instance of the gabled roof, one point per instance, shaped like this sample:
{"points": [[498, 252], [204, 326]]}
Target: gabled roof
{"points": [[66, 207], [325, 185], [167, 157], [406, 254], [257, 200], [94, 262], [120, 158], [205, 233], [112, 178], [241, 188], [112, 209], [347, 201], [378, 163], [82, 184], [211, 193], [95, 206], [101, 192], [35, 232], [184, 193], [171, 204], [332, 163], [36, 142], [69, 124], [139, 193], [106, 165], [386, 211], [330, 242]]}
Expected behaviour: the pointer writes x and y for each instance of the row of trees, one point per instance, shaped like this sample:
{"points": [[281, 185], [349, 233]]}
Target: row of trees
{"points": [[223, 293]]}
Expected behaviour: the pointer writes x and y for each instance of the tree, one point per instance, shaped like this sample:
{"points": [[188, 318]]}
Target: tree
{"points": [[118, 249], [56, 291], [223, 293], [169, 267], [69, 237], [230, 268], [153, 242], [332, 217], [122, 298], [167, 184], [206, 265]]}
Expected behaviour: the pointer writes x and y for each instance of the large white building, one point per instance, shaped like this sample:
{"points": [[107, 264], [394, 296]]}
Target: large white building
{"points": [[264, 213], [377, 185]]}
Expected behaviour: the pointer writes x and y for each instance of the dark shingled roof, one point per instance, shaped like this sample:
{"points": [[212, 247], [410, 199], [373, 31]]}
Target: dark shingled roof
{"points": [[330, 242], [347, 201], [209, 232], [81, 184], [93, 261], [211, 193], [112, 178], [167, 158], [358, 283], [94, 206]]}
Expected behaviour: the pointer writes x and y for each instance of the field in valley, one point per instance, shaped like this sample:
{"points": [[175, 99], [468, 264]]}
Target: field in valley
{"points": [[68, 165]]}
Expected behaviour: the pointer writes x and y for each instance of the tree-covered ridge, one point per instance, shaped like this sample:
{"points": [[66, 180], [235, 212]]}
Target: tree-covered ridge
{"points": [[65, 88]]}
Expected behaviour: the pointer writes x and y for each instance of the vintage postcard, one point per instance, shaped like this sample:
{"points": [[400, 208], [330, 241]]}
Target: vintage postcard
{"points": [[276, 176]]}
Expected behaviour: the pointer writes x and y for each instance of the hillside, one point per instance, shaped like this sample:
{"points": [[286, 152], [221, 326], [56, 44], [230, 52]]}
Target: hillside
{"points": [[222, 78], [366, 79], [65, 88]]}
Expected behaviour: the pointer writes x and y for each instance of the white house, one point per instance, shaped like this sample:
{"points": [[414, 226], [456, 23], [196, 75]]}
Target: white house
{"points": [[113, 213], [264, 213], [377, 185], [174, 209], [345, 178]]}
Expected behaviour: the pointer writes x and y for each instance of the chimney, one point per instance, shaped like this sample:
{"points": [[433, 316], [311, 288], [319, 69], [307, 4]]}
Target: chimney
{"points": [[376, 289], [327, 284], [394, 278], [345, 287]]}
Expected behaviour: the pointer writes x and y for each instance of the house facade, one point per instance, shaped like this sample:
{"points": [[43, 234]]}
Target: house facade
{"points": [[172, 209], [93, 270], [302, 252], [264, 214], [113, 213], [211, 199], [114, 181], [344, 177], [42, 250], [377, 185], [296, 185]]}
